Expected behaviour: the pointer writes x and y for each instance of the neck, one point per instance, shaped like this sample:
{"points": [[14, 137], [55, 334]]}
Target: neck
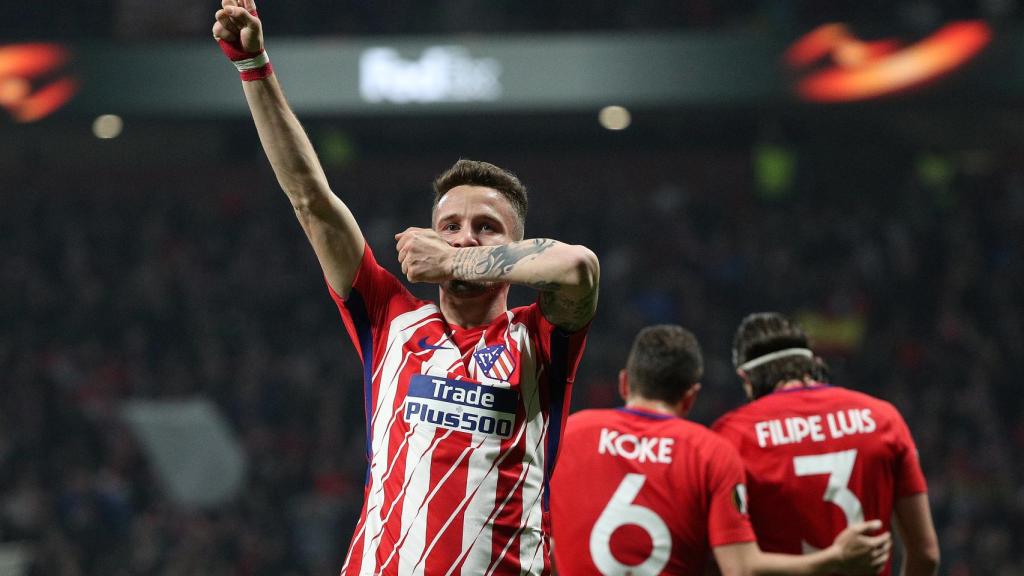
{"points": [[470, 311], [658, 406], [791, 384]]}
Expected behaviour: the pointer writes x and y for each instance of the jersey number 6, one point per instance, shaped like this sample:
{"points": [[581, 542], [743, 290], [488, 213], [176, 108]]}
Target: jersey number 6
{"points": [[621, 511]]}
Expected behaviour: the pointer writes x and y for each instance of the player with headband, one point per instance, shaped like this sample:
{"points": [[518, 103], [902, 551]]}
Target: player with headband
{"points": [[641, 490], [820, 457]]}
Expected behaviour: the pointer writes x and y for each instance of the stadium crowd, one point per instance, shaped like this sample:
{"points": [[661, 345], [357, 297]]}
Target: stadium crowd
{"points": [[140, 283]]}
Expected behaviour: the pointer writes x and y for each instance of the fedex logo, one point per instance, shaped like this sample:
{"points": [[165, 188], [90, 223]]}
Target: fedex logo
{"points": [[639, 448], [440, 74]]}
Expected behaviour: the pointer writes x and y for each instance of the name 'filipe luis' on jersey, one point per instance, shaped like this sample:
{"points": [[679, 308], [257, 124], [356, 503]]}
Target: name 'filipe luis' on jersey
{"points": [[814, 427], [819, 458]]}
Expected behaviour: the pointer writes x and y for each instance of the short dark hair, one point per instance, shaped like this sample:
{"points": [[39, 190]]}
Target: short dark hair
{"points": [[664, 362], [477, 173], [762, 333]]}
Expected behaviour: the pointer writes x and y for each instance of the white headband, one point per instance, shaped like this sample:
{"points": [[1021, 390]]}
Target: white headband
{"points": [[750, 364]]}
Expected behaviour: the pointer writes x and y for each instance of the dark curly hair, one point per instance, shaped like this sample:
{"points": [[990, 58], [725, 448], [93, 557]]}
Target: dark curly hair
{"points": [[766, 332]]}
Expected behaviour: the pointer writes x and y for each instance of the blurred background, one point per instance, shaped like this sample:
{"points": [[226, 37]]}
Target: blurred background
{"points": [[177, 392]]}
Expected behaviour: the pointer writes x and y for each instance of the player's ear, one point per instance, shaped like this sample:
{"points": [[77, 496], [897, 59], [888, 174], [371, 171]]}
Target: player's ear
{"points": [[748, 388], [623, 384], [692, 392], [689, 397]]}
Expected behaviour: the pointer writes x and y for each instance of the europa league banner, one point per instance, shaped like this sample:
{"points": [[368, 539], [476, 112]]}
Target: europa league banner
{"points": [[831, 65]]}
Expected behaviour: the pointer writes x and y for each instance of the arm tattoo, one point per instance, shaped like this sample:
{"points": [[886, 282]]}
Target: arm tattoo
{"points": [[495, 262], [569, 313], [567, 309]]}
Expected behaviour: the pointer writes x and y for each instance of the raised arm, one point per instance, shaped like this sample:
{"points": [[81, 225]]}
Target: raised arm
{"points": [[853, 552], [916, 530], [328, 223], [566, 275]]}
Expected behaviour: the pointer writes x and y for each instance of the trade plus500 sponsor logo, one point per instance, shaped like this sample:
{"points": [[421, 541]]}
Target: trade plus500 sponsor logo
{"points": [[461, 405], [32, 85], [856, 69]]}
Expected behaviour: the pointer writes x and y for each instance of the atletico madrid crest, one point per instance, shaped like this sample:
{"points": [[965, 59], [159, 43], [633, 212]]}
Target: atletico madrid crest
{"points": [[495, 362]]}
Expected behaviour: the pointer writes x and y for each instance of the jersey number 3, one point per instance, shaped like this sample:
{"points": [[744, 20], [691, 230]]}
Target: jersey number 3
{"points": [[619, 512], [839, 467]]}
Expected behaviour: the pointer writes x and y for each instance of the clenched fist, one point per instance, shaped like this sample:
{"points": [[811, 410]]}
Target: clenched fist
{"points": [[237, 23], [424, 255]]}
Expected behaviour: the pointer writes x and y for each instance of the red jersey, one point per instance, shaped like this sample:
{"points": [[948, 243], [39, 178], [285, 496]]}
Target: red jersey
{"points": [[462, 429], [643, 493], [818, 459]]}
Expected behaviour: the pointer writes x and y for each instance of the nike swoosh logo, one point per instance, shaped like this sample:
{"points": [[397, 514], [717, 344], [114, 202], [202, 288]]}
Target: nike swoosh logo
{"points": [[423, 344]]}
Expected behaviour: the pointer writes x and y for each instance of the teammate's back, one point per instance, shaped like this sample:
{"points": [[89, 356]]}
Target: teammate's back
{"points": [[644, 492], [819, 458]]}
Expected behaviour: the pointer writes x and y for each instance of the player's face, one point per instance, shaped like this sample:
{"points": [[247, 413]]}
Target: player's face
{"points": [[475, 216], [469, 216]]}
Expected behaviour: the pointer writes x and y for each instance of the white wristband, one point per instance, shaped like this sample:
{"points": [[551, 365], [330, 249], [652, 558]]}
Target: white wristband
{"points": [[258, 61]]}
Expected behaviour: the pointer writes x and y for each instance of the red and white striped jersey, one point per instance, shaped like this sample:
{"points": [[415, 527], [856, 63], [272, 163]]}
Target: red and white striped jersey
{"points": [[462, 430]]}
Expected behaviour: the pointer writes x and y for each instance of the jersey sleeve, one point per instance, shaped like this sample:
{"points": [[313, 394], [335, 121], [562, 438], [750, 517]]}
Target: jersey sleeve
{"points": [[369, 304], [909, 476], [558, 348], [728, 519], [560, 352]]}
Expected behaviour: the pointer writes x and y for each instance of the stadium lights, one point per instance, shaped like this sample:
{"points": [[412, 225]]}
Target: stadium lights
{"points": [[614, 118], [107, 126]]}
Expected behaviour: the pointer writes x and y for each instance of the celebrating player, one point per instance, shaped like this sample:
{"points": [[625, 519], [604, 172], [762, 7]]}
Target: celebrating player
{"points": [[820, 457], [641, 491], [464, 398]]}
